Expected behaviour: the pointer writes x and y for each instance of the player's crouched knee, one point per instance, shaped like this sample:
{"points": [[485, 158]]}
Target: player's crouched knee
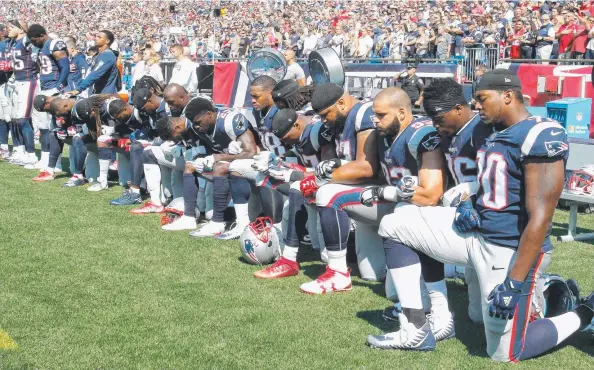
{"points": [[404, 214], [499, 339], [296, 185], [148, 157], [325, 195]]}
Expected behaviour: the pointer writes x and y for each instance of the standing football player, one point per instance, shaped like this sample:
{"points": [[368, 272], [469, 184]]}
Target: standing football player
{"points": [[24, 67], [103, 76], [78, 65], [5, 73], [521, 172], [54, 69]]}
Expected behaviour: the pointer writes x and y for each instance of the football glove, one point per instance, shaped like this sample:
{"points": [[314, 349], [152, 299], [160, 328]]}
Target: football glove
{"points": [[325, 168], [371, 194], [280, 173], [234, 148], [453, 197], [467, 218], [263, 160], [309, 185], [504, 298]]}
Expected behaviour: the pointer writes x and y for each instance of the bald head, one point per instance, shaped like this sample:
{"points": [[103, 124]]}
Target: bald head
{"points": [[176, 96], [393, 111], [394, 98], [289, 55]]}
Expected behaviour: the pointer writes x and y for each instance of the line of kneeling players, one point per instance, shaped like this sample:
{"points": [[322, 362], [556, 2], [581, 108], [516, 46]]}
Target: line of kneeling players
{"points": [[320, 154]]}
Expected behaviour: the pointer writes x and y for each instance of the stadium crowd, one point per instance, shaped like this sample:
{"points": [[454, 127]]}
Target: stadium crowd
{"points": [[355, 29], [459, 186]]}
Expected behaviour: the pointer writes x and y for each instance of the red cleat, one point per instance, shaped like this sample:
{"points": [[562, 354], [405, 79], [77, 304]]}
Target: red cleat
{"points": [[44, 176], [280, 269], [147, 208]]}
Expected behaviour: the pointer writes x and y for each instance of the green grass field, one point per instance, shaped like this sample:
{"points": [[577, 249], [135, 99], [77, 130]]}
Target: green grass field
{"points": [[84, 285]]}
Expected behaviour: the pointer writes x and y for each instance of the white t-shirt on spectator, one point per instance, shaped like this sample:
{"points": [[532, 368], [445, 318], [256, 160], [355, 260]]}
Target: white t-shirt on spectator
{"points": [[309, 44], [184, 73], [365, 45], [137, 71], [336, 43], [294, 72]]}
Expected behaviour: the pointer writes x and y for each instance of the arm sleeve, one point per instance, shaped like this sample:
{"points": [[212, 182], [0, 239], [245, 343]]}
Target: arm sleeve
{"points": [[104, 64]]}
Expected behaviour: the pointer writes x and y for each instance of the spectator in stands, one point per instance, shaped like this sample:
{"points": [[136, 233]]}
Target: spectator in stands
{"points": [[566, 35], [545, 38], [294, 70], [444, 40], [151, 65], [364, 44], [337, 41], [138, 68], [528, 41], [578, 49], [244, 44], [184, 71]]}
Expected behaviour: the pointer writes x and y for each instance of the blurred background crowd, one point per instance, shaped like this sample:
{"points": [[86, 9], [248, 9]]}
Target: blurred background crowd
{"points": [[381, 30]]}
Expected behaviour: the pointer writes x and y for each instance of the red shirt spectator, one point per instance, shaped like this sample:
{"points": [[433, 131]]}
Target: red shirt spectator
{"points": [[565, 39], [581, 39]]}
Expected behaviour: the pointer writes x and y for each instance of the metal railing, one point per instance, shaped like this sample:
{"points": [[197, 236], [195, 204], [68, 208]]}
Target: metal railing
{"points": [[472, 57]]}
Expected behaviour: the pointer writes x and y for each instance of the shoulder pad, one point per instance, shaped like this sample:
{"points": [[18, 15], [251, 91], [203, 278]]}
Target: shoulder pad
{"points": [[545, 139]]}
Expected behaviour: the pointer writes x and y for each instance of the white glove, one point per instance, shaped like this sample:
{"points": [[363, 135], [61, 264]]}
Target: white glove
{"points": [[202, 164], [234, 148], [107, 130], [280, 173], [455, 195], [198, 164], [325, 168], [404, 191], [262, 161]]}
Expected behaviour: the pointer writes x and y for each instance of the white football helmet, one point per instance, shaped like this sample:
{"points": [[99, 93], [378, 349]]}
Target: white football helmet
{"points": [[582, 181], [173, 211], [259, 242]]}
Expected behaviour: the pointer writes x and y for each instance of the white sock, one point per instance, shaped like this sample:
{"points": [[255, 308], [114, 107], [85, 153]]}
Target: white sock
{"points": [[44, 159], [103, 170], [242, 213], [404, 278], [438, 292], [135, 190], [425, 297], [152, 174], [566, 324], [337, 260], [290, 253], [50, 170], [279, 233]]}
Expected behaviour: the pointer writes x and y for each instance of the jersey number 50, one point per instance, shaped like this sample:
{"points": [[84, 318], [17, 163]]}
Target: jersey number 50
{"points": [[492, 176]]}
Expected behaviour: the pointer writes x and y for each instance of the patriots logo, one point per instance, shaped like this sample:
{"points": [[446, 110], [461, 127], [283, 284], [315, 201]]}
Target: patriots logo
{"points": [[239, 122], [432, 142], [555, 147], [248, 247]]}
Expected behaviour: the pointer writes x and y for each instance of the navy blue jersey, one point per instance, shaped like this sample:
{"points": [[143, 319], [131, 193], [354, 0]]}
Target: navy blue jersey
{"points": [[403, 156], [103, 75], [78, 70], [314, 136], [162, 111], [230, 124], [359, 119], [24, 58], [460, 149], [49, 71], [264, 130], [501, 200]]}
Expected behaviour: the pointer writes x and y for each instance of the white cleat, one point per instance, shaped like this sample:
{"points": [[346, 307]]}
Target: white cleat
{"points": [[408, 337], [182, 223], [329, 282], [209, 230], [98, 186], [232, 234], [442, 325], [37, 166]]}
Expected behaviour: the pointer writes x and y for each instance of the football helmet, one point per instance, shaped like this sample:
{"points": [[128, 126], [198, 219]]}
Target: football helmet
{"points": [[259, 242], [582, 181], [173, 211], [554, 296]]}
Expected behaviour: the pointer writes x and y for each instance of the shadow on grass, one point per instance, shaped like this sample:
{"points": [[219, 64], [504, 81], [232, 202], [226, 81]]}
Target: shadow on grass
{"points": [[468, 333], [560, 229]]}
